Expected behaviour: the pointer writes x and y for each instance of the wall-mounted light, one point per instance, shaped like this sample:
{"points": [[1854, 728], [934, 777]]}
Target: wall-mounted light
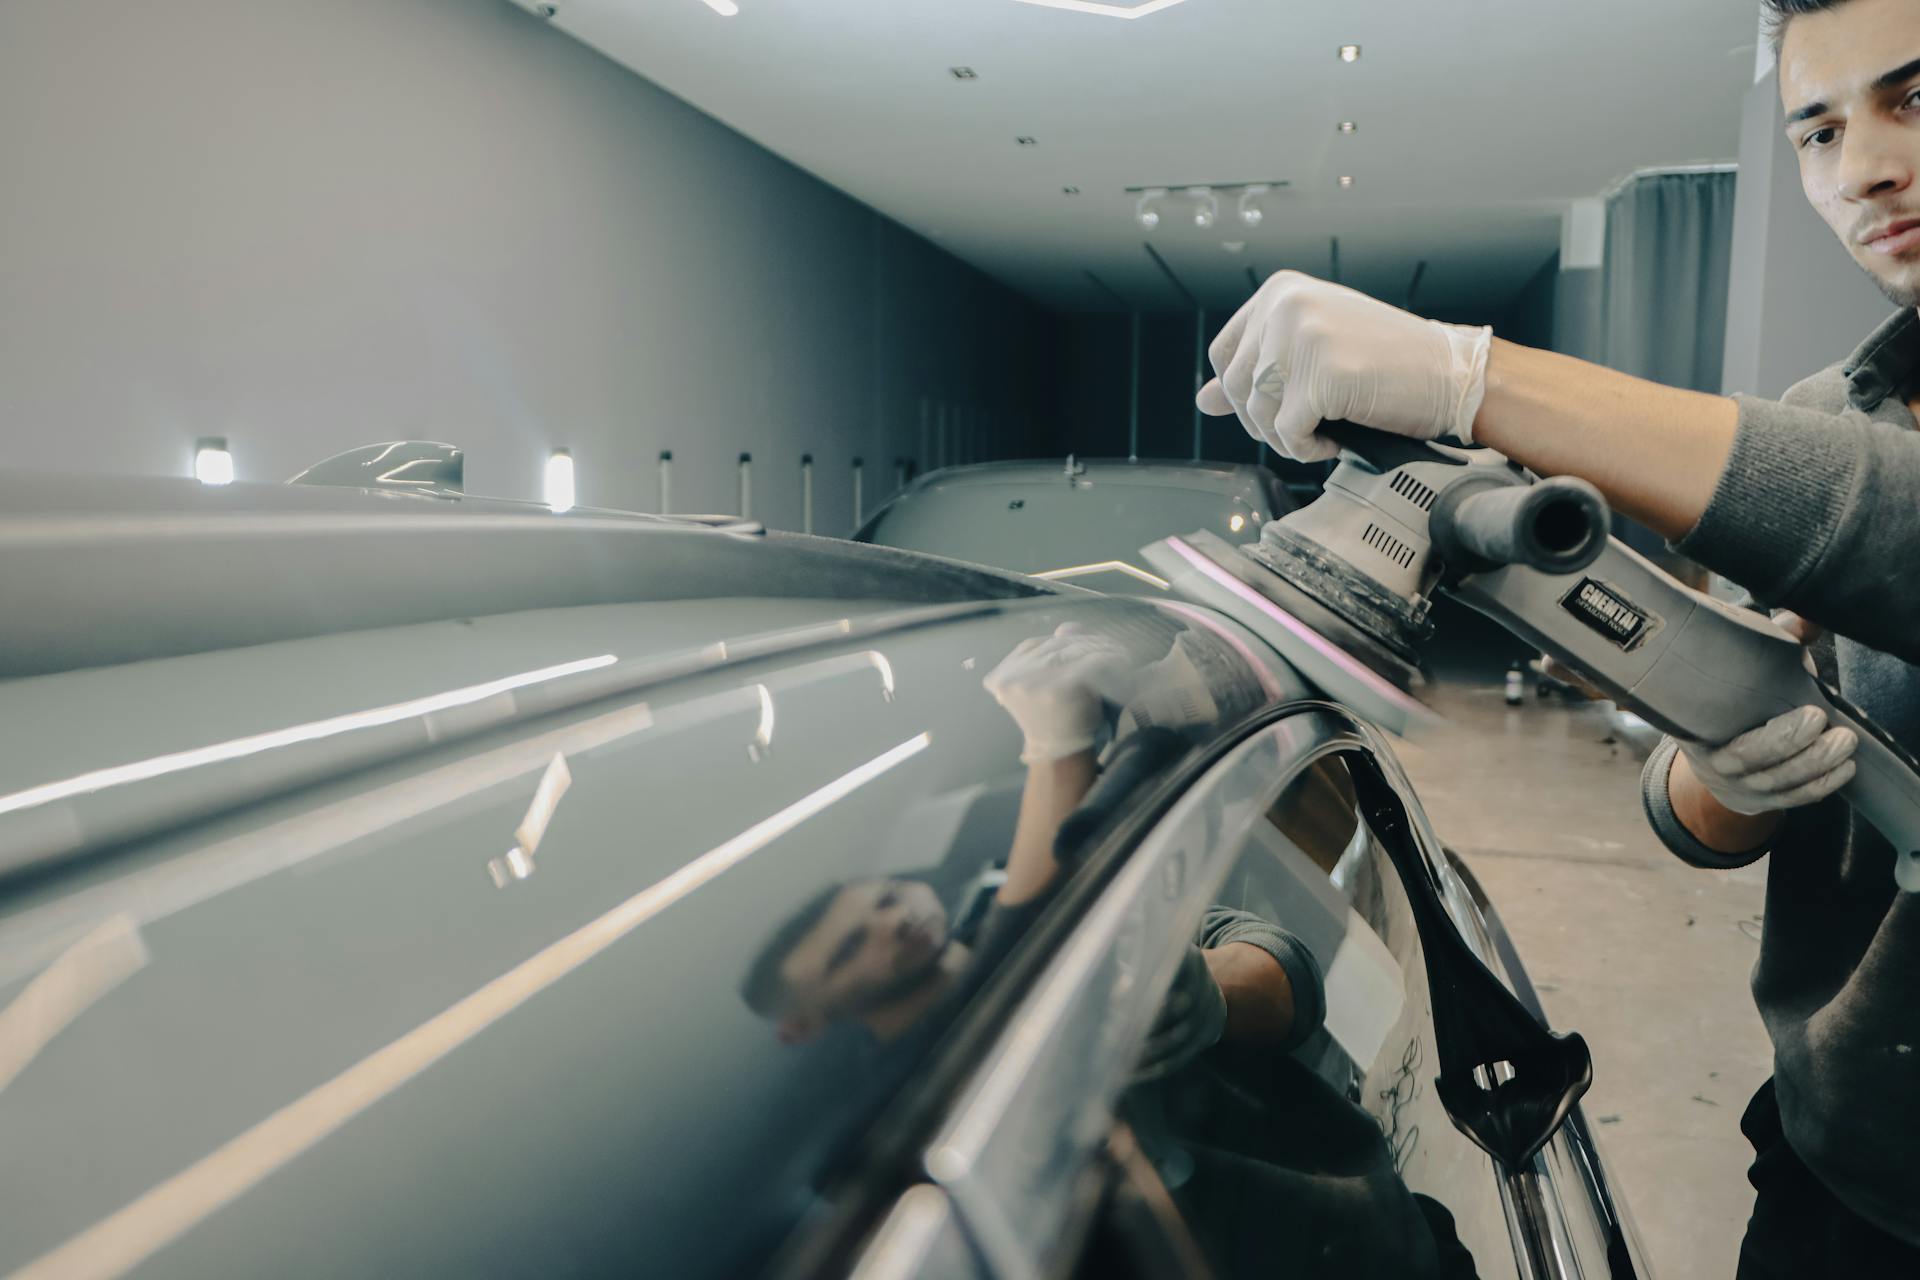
{"points": [[212, 463], [1347, 126], [1206, 206], [1349, 53], [725, 8], [1346, 179], [559, 487]]}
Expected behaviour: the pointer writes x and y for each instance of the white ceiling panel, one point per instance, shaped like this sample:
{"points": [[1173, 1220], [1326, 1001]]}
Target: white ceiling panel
{"points": [[1478, 120]]}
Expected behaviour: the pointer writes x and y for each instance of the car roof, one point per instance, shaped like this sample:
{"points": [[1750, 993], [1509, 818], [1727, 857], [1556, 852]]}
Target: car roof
{"points": [[113, 570], [278, 752], [1160, 472]]}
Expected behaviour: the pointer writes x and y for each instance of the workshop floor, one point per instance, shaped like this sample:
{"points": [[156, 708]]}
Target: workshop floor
{"points": [[1645, 956]]}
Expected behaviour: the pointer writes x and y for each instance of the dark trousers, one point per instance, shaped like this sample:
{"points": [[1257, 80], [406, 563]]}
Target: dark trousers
{"points": [[1799, 1231]]}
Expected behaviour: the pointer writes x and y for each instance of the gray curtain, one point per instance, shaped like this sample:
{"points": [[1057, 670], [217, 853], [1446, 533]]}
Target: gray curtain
{"points": [[1664, 280], [1658, 309]]}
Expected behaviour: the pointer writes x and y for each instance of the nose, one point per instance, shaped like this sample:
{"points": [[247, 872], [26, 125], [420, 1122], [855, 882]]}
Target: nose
{"points": [[1876, 160]]}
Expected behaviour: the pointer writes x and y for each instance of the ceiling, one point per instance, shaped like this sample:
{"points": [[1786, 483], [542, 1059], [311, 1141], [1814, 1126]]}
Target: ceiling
{"points": [[1478, 121]]}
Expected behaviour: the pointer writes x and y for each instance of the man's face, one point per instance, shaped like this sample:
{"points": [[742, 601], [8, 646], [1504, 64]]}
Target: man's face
{"points": [[878, 940], [1850, 84]]}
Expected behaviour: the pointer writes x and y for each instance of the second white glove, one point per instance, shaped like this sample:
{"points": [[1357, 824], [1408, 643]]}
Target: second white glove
{"points": [[1789, 761], [1303, 351], [1054, 688]]}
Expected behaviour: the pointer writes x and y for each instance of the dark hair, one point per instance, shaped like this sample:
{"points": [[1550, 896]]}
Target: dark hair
{"points": [[1778, 13], [766, 990]]}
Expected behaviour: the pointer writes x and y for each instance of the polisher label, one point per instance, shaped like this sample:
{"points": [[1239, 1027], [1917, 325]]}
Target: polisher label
{"points": [[1594, 604]]}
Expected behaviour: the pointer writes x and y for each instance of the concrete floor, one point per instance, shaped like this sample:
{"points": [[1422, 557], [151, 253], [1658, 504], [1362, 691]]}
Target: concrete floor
{"points": [[1645, 956]]}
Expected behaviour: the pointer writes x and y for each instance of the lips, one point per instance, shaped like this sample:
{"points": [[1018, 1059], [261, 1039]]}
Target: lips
{"points": [[1895, 238]]}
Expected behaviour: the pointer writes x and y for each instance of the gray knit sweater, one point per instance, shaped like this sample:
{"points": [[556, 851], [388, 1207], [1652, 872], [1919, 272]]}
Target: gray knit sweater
{"points": [[1819, 512]]}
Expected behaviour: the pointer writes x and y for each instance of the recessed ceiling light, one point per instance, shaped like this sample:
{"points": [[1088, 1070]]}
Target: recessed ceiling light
{"points": [[1347, 126], [1348, 52], [964, 73], [1026, 141], [725, 8], [1069, 191], [1346, 179]]}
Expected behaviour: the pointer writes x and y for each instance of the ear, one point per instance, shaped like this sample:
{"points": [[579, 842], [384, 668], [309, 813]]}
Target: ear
{"points": [[798, 1028]]}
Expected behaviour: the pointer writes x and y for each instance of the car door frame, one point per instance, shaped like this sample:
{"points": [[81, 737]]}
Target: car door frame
{"points": [[1560, 1214]]}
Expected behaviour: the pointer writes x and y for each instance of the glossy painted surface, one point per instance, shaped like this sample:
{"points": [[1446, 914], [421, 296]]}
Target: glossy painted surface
{"points": [[420, 933], [355, 996], [1073, 517]]}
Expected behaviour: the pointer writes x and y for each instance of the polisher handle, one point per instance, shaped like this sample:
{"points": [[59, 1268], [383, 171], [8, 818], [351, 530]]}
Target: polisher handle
{"points": [[1483, 522], [1383, 450]]}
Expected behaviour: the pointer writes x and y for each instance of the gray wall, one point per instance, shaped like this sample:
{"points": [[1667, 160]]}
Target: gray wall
{"points": [[1530, 320], [311, 224], [1795, 301]]}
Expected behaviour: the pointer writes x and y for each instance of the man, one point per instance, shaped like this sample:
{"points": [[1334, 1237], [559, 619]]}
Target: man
{"points": [[1813, 504]]}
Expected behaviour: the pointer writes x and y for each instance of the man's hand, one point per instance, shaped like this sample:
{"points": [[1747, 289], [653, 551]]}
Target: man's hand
{"points": [[1052, 687], [1302, 351], [1791, 760]]}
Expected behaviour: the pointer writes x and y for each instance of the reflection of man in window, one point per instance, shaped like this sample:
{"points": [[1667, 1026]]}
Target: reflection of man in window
{"points": [[884, 954]]}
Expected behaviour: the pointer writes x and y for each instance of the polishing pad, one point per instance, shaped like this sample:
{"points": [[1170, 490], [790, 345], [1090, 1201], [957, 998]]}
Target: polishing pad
{"points": [[1345, 662]]}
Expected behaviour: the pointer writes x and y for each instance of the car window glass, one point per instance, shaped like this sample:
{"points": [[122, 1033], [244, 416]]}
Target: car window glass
{"points": [[1286, 1093], [715, 925]]}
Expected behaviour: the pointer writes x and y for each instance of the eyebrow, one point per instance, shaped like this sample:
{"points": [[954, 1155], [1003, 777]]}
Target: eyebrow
{"points": [[1887, 81]]}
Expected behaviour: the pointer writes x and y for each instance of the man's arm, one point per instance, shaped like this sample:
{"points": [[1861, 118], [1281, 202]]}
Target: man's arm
{"points": [[1657, 453], [1054, 790], [1816, 511], [1273, 987], [1712, 823]]}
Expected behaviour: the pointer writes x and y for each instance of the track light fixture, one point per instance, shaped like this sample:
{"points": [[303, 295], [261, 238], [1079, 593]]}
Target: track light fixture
{"points": [[1252, 214], [1206, 206], [1144, 210], [1200, 202]]}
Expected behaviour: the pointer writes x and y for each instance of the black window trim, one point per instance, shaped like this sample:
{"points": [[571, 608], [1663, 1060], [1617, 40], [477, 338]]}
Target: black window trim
{"points": [[892, 1154]]}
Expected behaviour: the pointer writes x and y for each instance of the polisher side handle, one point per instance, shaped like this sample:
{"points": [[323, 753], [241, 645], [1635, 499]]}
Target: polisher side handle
{"points": [[1493, 518]]}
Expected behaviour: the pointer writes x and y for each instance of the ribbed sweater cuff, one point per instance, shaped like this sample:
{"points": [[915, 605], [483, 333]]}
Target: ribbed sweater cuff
{"points": [[1302, 970], [1667, 825]]}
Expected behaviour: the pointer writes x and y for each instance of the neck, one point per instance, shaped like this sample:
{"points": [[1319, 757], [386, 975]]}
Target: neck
{"points": [[900, 1015]]}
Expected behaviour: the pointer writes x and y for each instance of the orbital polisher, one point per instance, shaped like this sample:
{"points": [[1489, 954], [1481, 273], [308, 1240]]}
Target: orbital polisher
{"points": [[1342, 587]]}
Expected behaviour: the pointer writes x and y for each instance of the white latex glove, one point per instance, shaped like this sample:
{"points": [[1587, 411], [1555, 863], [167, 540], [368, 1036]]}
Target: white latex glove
{"points": [[1052, 687], [1302, 351], [1789, 761]]}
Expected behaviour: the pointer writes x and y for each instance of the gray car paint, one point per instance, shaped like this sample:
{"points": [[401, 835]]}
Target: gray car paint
{"points": [[242, 1101], [1046, 517]]}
